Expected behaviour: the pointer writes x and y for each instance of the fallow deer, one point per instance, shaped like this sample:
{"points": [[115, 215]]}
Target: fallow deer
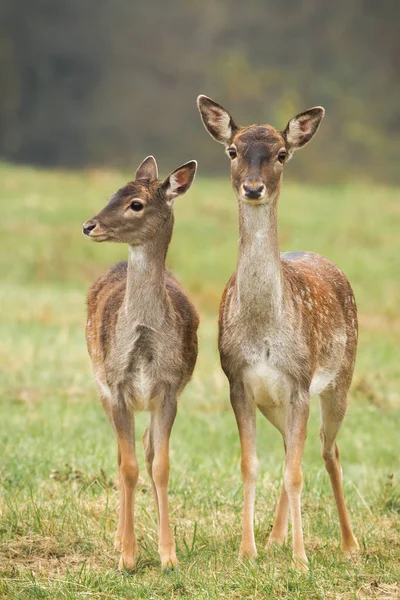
{"points": [[287, 325], [142, 339]]}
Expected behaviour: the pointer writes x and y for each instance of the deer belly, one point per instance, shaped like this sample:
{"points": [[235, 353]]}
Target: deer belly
{"points": [[266, 384]]}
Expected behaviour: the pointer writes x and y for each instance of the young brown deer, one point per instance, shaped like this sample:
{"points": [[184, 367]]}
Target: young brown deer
{"points": [[142, 339], [287, 325]]}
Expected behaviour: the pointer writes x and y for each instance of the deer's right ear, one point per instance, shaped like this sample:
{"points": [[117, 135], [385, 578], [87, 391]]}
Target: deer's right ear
{"points": [[216, 120], [147, 170]]}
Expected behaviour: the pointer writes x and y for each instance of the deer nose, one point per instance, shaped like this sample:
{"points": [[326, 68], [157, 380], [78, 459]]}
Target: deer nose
{"points": [[88, 228], [253, 191]]}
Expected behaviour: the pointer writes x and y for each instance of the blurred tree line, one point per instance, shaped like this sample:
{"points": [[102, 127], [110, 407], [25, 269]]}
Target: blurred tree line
{"points": [[105, 82]]}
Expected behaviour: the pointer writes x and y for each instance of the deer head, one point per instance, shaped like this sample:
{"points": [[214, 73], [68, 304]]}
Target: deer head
{"points": [[258, 153], [142, 209]]}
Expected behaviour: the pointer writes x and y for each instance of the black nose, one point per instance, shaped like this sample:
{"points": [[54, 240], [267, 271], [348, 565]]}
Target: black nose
{"points": [[88, 228], [253, 192]]}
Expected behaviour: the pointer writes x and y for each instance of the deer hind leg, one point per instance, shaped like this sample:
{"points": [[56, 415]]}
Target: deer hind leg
{"points": [[148, 444], [292, 478], [123, 422], [333, 409], [120, 528], [245, 413], [121, 517], [279, 532], [163, 420]]}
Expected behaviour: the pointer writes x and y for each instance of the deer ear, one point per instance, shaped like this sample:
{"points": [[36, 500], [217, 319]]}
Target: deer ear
{"points": [[302, 128], [216, 120], [147, 170], [180, 180]]}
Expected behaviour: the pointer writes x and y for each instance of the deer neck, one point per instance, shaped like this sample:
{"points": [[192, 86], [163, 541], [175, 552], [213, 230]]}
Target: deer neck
{"points": [[145, 296], [259, 272]]}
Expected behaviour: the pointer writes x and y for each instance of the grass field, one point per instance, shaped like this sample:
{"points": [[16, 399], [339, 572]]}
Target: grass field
{"points": [[58, 497]]}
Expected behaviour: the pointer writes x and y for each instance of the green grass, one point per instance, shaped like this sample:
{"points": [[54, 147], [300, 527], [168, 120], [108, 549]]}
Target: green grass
{"points": [[58, 497]]}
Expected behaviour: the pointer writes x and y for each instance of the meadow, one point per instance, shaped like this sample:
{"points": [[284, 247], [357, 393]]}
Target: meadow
{"points": [[58, 492]]}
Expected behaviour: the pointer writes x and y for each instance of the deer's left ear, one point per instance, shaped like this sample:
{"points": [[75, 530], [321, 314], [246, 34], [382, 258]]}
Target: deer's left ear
{"points": [[180, 180], [302, 128]]}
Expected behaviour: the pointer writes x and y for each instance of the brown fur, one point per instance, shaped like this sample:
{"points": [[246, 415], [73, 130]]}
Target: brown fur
{"points": [[312, 340], [287, 324], [105, 300], [142, 339]]}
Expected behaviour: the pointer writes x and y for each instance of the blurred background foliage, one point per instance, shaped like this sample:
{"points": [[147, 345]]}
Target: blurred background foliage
{"points": [[106, 82]]}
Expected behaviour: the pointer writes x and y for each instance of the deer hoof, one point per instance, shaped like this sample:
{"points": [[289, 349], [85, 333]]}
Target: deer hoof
{"points": [[249, 554], [301, 563], [171, 570], [351, 547], [126, 572], [278, 541]]}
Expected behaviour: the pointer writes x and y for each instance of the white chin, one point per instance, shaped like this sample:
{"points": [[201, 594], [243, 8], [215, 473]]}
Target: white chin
{"points": [[99, 238], [254, 201]]}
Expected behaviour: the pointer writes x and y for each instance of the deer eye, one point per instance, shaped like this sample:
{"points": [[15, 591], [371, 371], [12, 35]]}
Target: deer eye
{"points": [[136, 206], [282, 155], [232, 152]]}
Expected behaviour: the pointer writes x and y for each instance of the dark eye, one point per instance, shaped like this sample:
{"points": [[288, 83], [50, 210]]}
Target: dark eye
{"points": [[136, 206], [282, 155], [232, 153]]}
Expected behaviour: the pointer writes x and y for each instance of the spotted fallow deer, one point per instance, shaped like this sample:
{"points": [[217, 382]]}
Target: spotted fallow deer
{"points": [[142, 339], [287, 325]]}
